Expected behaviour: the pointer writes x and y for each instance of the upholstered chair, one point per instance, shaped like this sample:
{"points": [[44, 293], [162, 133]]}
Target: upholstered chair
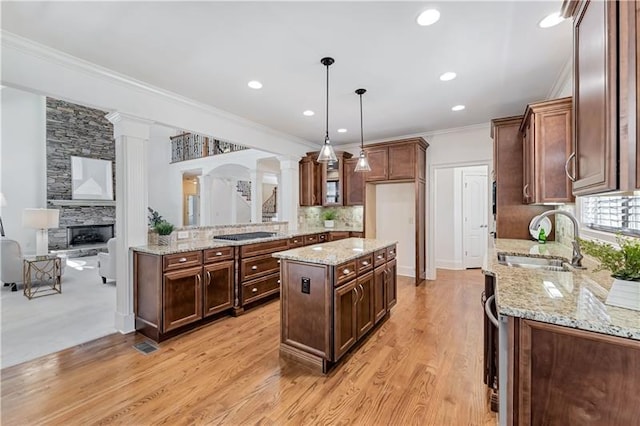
{"points": [[11, 263], [107, 262]]}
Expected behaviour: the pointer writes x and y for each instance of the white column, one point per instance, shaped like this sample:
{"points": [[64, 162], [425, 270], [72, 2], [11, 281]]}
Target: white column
{"points": [[288, 195], [131, 136], [256, 195], [205, 200]]}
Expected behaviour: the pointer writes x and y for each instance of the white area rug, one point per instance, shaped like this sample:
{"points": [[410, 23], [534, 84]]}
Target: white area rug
{"points": [[43, 325]]}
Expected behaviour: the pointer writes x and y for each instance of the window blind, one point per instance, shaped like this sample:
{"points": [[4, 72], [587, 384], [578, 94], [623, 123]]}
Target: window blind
{"points": [[612, 214]]}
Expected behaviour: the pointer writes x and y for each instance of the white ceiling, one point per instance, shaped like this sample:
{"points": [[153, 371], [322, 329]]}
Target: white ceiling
{"points": [[208, 51]]}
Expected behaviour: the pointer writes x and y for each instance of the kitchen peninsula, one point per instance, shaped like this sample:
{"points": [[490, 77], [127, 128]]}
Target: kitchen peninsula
{"points": [[565, 356], [332, 296]]}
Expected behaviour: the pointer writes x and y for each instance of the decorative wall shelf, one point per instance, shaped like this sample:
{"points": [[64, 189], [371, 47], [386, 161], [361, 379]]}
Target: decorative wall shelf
{"points": [[83, 203]]}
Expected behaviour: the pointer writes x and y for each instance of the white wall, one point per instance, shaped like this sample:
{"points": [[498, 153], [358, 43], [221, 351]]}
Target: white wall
{"points": [[23, 177], [165, 189], [395, 220]]}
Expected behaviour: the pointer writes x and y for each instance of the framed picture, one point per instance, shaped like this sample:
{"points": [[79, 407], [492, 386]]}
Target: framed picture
{"points": [[91, 179]]}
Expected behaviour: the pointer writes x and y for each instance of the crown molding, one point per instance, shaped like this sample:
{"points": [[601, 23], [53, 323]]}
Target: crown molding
{"points": [[29, 47], [563, 75]]}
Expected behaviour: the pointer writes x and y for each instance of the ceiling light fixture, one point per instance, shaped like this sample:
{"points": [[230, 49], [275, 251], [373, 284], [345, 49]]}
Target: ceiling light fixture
{"points": [[448, 76], [457, 108], [254, 84], [363, 163], [309, 113], [327, 154], [342, 130], [428, 17], [551, 20]]}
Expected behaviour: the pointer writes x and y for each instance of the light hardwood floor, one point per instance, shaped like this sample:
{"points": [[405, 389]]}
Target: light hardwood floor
{"points": [[423, 366]]}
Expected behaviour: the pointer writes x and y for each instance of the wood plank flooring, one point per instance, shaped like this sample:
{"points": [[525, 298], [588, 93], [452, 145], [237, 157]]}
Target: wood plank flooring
{"points": [[423, 366]]}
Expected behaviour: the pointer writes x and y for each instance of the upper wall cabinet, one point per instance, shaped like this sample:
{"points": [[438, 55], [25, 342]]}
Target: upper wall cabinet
{"points": [[547, 146], [322, 184], [333, 180], [395, 161], [605, 94], [310, 180], [353, 184]]}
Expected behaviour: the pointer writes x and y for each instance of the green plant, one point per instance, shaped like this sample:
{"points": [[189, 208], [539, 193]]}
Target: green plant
{"points": [[329, 215], [624, 263], [154, 217], [163, 227]]}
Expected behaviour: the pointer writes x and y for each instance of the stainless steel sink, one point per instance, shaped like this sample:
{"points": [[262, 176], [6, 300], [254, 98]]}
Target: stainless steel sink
{"points": [[557, 264]]}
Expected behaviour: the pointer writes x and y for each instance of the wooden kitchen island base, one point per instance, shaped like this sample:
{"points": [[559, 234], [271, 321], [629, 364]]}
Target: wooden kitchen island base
{"points": [[332, 296]]}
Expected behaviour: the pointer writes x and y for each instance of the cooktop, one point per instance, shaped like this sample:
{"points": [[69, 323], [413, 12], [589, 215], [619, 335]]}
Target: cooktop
{"points": [[245, 236]]}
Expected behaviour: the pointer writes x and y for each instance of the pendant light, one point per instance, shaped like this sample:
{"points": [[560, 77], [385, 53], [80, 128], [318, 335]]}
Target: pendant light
{"points": [[327, 154], [363, 163]]}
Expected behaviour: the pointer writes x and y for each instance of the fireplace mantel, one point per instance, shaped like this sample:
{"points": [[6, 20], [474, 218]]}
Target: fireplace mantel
{"points": [[77, 203]]}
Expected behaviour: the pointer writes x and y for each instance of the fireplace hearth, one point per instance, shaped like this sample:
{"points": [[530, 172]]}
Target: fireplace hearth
{"points": [[88, 235]]}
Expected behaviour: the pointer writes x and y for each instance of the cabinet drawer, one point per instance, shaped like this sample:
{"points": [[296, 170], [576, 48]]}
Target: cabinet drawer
{"points": [[311, 239], [262, 287], [181, 260], [364, 263], [345, 272], [217, 254], [379, 257], [391, 252], [296, 242], [263, 248], [338, 235], [258, 266], [356, 234]]}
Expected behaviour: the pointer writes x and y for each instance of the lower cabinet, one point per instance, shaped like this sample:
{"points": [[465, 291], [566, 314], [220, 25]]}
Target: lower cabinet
{"points": [[218, 287], [345, 332], [392, 284], [379, 293], [181, 298], [365, 312]]}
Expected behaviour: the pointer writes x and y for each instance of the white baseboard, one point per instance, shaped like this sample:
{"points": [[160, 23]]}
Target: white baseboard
{"points": [[449, 264], [406, 271], [125, 323]]}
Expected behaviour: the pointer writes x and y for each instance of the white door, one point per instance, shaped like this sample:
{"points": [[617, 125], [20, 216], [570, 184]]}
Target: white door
{"points": [[474, 214]]}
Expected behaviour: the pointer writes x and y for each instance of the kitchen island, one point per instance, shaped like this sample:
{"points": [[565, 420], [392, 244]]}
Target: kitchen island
{"points": [[332, 296], [565, 357]]}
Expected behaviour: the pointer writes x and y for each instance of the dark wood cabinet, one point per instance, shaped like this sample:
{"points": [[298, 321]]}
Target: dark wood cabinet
{"points": [[333, 181], [605, 92], [512, 216], [218, 287], [338, 235], [365, 311], [181, 298], [353, 184], [378, 157], [392, 283], [379, 292], [565, 376], [547, 145], [259, 275], [310, 181], [345, 331], [402, 161]]}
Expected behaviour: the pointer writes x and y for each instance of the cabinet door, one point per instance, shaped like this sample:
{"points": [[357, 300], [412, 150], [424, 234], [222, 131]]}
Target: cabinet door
{"points": [[595, 97], [378, 161], [345, 332], [392, 285], [338, 235], [379, 291], [365, 312], [528, 162], [402, 161], [309, 182], [332, 183], [181, 298], [353, 184], [218, 287]]}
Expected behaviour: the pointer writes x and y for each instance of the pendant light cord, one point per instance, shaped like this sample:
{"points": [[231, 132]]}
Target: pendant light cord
{"points": [[327, 126], [361, 131]]}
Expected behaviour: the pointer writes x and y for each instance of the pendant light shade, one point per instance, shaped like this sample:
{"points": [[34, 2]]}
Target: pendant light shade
{"points": [[363, 162], [327, 154]]}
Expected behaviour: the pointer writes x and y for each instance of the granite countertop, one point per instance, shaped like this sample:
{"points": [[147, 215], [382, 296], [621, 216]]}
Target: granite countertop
{"points": [[573, 299], [182, 246], [334, 252]]}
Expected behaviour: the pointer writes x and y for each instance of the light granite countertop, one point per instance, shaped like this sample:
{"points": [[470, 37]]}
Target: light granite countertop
{"points": [[573, 299], [334, 252], [191, 245]]}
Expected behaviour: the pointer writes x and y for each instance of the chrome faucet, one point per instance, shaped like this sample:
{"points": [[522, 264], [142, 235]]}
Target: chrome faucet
{"points": [[576, 260]]}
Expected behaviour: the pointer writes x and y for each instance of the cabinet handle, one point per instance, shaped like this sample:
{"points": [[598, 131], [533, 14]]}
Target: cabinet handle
{"points": [[566, 167], [182, 259], [208, 278], [487, 309], [218, 253], [365, 263], [346, 272], [198, 279], [525, 192], [278, 281], [355, 301], [392, 252], [380, 256], [362, 292], [278, 262], [295, 241], [254, 268], [254, 290]]}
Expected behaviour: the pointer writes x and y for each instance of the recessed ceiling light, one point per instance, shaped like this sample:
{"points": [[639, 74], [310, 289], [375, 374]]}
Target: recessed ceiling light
{"points": [[342, 130], [448, 76], [309, 113], [457, 108], [254, 84], [428, 17], [551, 20]]}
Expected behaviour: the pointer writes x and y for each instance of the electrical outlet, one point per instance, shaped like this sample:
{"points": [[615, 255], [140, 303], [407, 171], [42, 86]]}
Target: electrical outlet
{"points": [[306, 285], [183, 235]]}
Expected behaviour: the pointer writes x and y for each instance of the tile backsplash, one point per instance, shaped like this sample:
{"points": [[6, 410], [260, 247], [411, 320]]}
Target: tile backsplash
{"points": [[309, 217]]}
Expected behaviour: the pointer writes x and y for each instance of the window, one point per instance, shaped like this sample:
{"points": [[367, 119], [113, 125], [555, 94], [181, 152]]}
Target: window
{"points": [[612, 214]]}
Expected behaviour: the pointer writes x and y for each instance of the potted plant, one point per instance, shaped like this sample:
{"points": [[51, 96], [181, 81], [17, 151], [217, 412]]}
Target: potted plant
{"points": [[329, 217], [164, 230], [624, 264], [154, 218]]}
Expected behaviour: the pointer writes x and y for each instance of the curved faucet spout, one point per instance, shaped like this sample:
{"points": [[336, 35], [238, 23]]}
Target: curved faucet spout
{"points": [[576, 260]]}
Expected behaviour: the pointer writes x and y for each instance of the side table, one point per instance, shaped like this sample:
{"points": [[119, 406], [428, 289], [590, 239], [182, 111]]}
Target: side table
{"points": [[45, 271]]}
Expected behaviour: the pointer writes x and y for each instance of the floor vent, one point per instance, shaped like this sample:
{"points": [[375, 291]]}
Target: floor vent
{"points": [[145, 347]]}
